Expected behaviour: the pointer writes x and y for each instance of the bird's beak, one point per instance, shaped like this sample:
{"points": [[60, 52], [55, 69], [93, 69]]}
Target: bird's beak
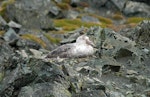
{"points": [[90, 43]]}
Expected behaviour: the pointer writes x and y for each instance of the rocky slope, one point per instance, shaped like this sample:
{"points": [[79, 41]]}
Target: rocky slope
{"points": [[29, 29]]}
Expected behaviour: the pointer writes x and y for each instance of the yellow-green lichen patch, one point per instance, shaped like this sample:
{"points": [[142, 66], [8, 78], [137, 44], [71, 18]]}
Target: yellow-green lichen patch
{"points": [[84, 4], [102, 19], [72, 24], [66, 1], [2, 33], [58, 32], [34, 38], [117, 17], [52, 39], [63, 6], [136, 19], [4, 4]]}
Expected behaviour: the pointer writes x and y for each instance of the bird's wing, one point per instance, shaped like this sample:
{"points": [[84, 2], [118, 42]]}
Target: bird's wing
{"points": [[61, 51]]}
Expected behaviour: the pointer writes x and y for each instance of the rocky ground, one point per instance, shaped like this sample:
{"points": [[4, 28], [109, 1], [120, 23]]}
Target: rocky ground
{"points": [[120, 66]]}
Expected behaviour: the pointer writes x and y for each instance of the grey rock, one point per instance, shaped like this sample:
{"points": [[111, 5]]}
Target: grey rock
{"points": [[22, 43], [25, 72], [31, 14], [71, 14], [116, 94], [89, 19], [58, 1], [75, 3], [119, 4], [10, 35], [95, 3], [144, 1], [17, 78], [5, 52], [141, 33], [2, 21], [55, 10], [44, 90], [14, 24], [136, 9], [72, 36], [93, 93]]}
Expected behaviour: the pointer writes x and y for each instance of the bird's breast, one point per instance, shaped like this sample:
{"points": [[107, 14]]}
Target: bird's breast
{"points": [[83, 50]]}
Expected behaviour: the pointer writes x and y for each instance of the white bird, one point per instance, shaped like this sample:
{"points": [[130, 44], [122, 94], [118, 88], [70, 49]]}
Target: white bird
{"points": [[81, 48]]}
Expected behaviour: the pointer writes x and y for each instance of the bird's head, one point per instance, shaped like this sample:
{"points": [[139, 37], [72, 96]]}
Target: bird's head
{"points": [[85, 39]]}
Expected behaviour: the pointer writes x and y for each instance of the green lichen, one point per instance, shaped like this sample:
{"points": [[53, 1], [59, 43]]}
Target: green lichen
{"points": [[136, 20], [34, 38], [63, 6], [2, 33], [1, 76], [117, 17], [3, 6], [102, 19], [72, 24], [52, 39], [66, 1]]}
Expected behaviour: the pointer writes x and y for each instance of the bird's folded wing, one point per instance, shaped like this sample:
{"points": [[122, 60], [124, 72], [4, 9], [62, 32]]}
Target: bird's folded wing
{"points": [[61, 51]]}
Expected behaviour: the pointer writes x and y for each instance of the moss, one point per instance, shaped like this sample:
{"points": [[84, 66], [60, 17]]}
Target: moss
{"points": [[102, 19], [3, 6], [52, 39], [63, 6], [84, 4], [136, 19], [66, 1], [72, 24], [34, 38], [117, 17], [2, 33], [1, 76], [59, 32]]}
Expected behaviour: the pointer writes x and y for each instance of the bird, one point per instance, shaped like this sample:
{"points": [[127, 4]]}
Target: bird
{"points": [[83, 47]]}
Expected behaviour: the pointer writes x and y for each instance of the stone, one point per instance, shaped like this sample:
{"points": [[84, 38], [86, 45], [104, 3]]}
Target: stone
{"points": [[89, 19], [44, 90], [14, 25], [2, 21], [31, 14], [136, 9], [10, 35]]}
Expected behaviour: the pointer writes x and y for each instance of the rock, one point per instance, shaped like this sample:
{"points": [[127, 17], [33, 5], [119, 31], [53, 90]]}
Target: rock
{"points": [[24, 70], [92, 93], [31, 14], [75, 3], [73, 35], [119, 4], [89, 19], [136, 9], [45, 90], [2, 21], [55, 11], [10, 35], [141, 33], [144, 1], [110, 65], [88, 68], [95, 3], [5, 52], [14, 24], [36, 53], [15, 79], [116, 94], [22, 43], [132, 72], [71, 14]]}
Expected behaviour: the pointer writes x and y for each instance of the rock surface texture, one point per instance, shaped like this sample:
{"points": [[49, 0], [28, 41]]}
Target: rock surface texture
{"points": [[119, 65]]}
